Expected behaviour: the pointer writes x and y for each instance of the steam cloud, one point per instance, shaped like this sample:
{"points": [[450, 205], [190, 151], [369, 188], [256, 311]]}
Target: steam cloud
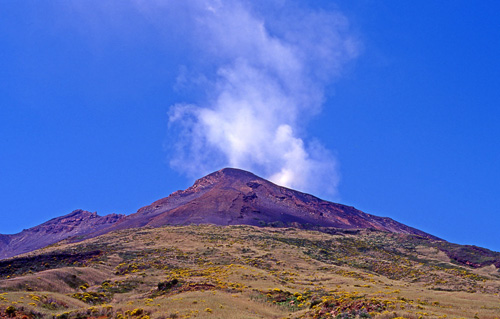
{"points": [[272, 65]]}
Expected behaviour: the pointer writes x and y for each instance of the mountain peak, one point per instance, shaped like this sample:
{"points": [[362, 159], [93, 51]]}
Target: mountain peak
{"points": [[234, 173], [224, 175], [233, 196], [79, 214]]}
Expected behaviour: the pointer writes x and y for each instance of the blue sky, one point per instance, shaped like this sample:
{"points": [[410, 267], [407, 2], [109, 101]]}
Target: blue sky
{"points": [[389, 107]]}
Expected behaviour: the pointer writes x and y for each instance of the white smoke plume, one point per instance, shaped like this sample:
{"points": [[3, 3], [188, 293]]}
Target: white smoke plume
{"points": [[272, 64]]}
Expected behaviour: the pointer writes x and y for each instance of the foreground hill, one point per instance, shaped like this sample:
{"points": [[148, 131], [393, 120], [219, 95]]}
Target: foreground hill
{"points": [[208, 271]]}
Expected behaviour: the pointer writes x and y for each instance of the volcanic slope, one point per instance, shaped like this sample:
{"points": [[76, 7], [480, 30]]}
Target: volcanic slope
{"points": [[237, 197], [76, 223]]}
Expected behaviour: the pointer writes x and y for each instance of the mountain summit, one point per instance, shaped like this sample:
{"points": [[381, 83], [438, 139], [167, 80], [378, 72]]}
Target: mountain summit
{"points": [[234, 197]]}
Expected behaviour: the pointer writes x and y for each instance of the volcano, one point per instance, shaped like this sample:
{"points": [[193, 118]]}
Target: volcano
{"points": [[227, 197], [236, 197]]}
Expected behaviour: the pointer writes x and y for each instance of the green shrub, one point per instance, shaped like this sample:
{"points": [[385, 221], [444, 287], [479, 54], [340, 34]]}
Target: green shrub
{"points": [[92, 298], [10, 311], [167, 285]]}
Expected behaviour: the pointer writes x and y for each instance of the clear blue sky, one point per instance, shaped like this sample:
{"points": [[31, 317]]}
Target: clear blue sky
{"points": [[408, 107]]}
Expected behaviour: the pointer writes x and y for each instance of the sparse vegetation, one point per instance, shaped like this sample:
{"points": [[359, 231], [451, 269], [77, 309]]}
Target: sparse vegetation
{"points": [[243, 271], [25, 265]]}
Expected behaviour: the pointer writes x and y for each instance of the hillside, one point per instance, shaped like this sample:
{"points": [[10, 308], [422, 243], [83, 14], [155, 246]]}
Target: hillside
{"points": [[77, 223], [208, 271]]}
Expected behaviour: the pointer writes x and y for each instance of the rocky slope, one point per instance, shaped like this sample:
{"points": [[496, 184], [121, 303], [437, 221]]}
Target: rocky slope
{"points": [[77, 223], [237, 197]]}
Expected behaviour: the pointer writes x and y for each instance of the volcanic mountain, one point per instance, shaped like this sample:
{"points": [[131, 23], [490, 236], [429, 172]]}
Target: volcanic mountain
{"points": [[226, 197], [237, 197], [356, 266]]}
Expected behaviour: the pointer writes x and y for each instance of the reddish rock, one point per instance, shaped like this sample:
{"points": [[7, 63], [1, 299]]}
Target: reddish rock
{"points": [[236, 197]]}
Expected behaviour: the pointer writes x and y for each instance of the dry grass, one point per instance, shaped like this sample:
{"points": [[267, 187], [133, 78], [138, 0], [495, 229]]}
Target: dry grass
{"points": [[249, 272], [62, 280]]}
